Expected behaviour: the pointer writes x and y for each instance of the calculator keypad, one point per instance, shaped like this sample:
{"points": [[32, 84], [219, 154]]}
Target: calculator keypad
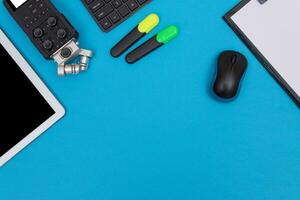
{"points": [[110, 13], [48, 29]]}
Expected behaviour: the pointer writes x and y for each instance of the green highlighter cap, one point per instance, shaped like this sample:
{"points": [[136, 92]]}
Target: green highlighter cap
{"points": [[167, 34], [158, 40]]}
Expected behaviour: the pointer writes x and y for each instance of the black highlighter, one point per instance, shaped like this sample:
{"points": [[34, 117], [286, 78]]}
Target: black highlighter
{"points": [[138, 32]]}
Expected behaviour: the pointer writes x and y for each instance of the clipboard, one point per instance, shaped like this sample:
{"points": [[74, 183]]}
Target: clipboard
{"points": [[255, 22]]}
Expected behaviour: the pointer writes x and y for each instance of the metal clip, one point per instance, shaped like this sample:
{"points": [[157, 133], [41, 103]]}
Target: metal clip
{"points": [[69, 52]]}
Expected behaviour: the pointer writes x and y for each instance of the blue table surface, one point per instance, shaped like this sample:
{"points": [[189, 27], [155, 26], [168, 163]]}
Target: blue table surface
{"points": [[152, 130]]}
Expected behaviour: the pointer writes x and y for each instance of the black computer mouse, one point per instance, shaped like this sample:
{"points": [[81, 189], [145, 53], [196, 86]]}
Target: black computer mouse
{"points": [[231, 68]]}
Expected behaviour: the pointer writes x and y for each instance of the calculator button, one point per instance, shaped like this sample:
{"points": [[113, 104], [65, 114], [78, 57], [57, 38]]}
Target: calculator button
{"points": [[117, 3], [41, 5], [37, 33], [96, 5], [34, 11], [52, 21], [61, 33], [109, 13], [115, 17], [132, 4], [105, 23], [124, 11], [103, 12], [47, 44]]}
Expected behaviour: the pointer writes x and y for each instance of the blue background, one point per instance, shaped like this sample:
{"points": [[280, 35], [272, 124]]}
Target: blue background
{"points": [[151, 130]]}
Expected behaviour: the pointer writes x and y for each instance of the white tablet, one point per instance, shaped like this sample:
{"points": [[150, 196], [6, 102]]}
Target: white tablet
{"points": [[28, 109]]}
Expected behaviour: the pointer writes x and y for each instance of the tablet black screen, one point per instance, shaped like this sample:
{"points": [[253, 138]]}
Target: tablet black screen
{"points": [[23, 108]]}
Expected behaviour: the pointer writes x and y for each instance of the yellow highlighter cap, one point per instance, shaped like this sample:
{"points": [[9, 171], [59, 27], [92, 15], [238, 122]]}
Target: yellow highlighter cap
{"points": [[149, 23]]}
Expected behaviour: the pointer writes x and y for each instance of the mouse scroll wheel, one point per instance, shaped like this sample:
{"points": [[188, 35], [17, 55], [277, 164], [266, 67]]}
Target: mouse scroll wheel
{"points": [[234, 59]]}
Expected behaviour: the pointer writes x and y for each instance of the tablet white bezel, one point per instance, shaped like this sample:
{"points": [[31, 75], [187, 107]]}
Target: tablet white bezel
{"points": [[44, 91]]}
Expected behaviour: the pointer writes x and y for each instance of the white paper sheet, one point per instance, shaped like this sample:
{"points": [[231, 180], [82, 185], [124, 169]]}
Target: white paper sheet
{"points": [[274, 28]]}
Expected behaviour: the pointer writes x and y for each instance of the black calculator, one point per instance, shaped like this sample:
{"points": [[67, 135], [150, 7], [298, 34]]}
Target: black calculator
{"points": [[46, 27], [51, 33], [110, 13]]}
